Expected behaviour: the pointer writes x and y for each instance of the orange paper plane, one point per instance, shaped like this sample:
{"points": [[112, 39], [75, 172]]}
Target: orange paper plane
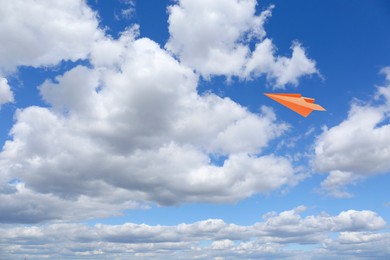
{"points": [[302, 105]]}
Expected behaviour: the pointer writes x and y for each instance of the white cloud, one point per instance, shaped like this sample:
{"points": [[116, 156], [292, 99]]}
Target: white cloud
{"points": [[384, 91], [6, 94], [20, 204], [271, 237], [290, 227], [222, 244], [135, 124], [353, 220], [386, 72], [204, 34], [357, 144], [284, 70], [213, 38], [42, 33], [335, 183], [358, 245], [357, 147]]}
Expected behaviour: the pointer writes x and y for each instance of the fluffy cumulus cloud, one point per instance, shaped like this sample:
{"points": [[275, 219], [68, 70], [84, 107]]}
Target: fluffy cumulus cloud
{"points": [[6, 94], [359, 146], [344, 233], [213, 38], [132, 129], [283, 70], [42, 33], [20, 204]]}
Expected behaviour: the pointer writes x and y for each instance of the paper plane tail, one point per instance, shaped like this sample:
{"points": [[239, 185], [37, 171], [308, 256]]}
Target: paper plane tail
{"points": [[309, 100]]}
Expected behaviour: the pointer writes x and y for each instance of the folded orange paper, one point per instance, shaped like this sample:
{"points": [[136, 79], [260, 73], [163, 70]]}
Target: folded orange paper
{"points": [[302, 105]]}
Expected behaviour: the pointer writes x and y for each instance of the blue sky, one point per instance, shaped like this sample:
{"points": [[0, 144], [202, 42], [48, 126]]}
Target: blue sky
{"points": [[139, 129]]}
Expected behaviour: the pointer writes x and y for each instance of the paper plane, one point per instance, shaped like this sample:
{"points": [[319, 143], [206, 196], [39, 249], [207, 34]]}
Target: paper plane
{"points": [[302, 105]]}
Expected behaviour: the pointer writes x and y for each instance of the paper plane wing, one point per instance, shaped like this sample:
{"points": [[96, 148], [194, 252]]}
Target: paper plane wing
{"points": [[302, 105]]}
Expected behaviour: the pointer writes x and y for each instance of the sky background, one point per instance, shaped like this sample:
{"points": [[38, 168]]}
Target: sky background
{"points": [[139, 129]]}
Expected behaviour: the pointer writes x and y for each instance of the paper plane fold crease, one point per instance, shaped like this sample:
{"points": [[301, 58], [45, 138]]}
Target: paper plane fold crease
{"points": [[302, 105]]}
